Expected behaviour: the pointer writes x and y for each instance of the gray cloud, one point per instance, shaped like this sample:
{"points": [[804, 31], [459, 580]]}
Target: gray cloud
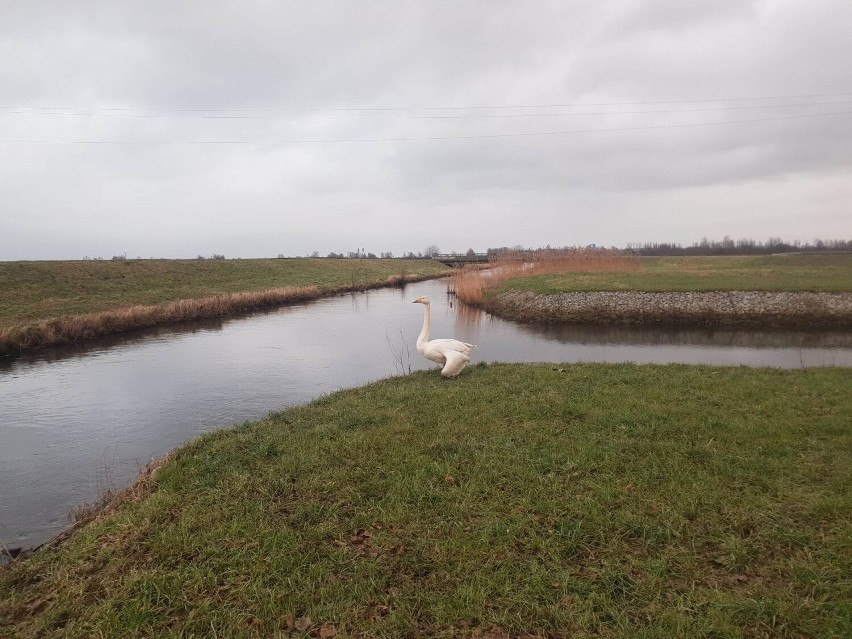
{"points": [[167, 185]]}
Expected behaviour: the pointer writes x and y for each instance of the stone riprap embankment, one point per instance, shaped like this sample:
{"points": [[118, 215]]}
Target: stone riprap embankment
{"points": [[724, 308]]}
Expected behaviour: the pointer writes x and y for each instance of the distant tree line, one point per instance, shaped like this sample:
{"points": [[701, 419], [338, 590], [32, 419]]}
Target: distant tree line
{"points": [[517, 248], [725, 246], [728, 246], [361, 253]]}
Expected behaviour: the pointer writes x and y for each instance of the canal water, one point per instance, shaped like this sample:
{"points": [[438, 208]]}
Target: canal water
{"points": [[75, 422]]}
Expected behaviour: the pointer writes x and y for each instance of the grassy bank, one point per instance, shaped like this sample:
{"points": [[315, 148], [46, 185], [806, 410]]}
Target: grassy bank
{"points": [[589, 500], [816, 273], [47, 303], [31, 291]]}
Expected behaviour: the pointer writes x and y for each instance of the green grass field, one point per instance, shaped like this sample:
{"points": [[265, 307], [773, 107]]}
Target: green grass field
{"points": [[822, 273], [523, 501], [32, 291]]}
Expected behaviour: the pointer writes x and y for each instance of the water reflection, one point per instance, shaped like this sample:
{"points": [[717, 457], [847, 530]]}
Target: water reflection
{"points": [[751, 338], [466, 316], [510, 341]]}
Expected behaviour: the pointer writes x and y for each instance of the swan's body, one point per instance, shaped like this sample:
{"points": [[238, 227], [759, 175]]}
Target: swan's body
{"points": [[450, 352]]}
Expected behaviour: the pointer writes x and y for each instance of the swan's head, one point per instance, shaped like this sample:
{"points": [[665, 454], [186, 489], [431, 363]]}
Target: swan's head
{"points": [[421, 300]]}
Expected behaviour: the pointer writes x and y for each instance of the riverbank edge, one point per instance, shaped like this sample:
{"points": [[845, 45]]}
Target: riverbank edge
{"points": [[788, 309], [84, 514], [147, 483], [82, 328]]}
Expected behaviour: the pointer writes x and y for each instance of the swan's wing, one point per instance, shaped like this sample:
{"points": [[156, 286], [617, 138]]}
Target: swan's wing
{"points": [[456, 361], [432, 354], [445, 346]]}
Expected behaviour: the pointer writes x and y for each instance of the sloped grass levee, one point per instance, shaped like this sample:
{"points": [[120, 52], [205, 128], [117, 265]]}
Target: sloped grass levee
{"points": [[815, 273], [50, 303], [85, 327], [515, 501]]}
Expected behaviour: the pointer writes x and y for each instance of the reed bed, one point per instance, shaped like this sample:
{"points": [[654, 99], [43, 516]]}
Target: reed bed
{"points": [[80, 328], [472, 285]]}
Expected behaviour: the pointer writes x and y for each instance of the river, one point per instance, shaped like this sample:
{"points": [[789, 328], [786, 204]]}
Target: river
{"points": [[77, 421]]}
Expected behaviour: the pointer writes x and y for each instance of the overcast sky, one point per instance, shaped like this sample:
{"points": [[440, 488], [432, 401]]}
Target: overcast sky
{"points": [[250, 129]]}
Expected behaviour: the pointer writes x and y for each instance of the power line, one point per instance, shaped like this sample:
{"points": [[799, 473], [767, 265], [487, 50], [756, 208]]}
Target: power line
{"points": [[451, 108], [427, 117], [428, 138]]}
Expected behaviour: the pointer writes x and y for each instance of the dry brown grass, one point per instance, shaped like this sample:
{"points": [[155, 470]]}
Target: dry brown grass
{"points": [[90, 326], [471, 285]]}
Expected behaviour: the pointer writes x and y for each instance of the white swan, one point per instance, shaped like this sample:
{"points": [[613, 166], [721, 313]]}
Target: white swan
{"points": [[449, 352]]}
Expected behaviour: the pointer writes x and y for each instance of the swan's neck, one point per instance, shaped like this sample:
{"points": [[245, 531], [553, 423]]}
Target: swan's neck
{"points": [[424, 334]]}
